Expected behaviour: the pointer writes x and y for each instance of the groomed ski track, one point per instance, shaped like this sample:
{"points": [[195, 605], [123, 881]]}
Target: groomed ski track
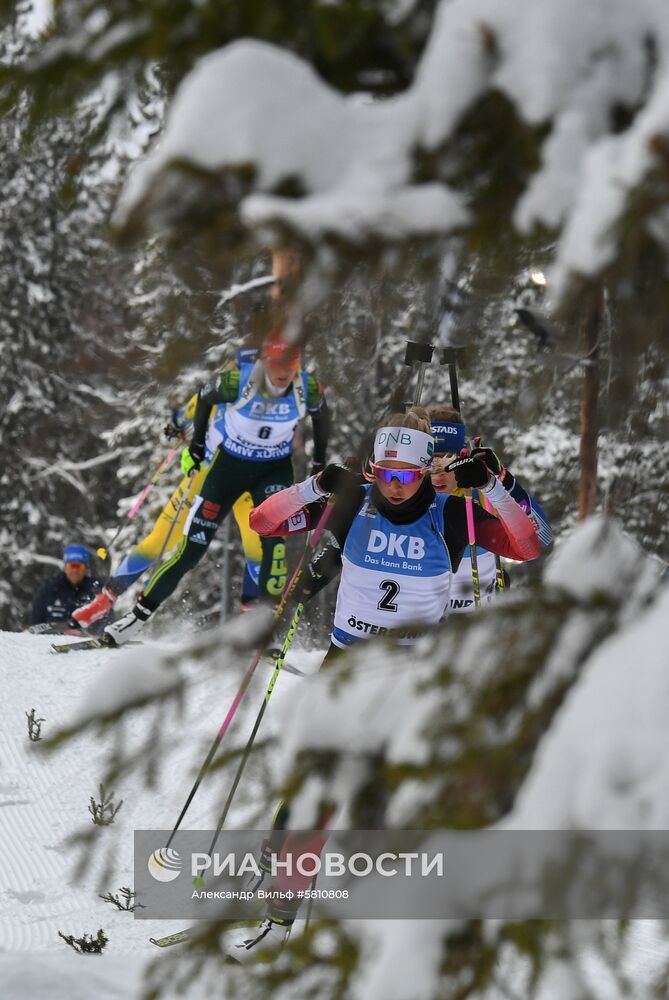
{"points": [[44, 799]]}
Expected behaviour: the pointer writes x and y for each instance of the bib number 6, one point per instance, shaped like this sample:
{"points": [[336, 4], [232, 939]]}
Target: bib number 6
{"points": [[391, 590]]}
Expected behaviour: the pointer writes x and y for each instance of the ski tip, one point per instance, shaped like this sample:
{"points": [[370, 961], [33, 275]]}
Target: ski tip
{"points": [[73, 647], [100, 642], [198, 882], [170, 939]]}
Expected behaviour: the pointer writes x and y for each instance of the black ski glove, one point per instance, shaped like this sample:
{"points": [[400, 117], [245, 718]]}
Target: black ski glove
{"points": [[493, 462], [337, 479], [321, 570], [486, 455], [171, 430], [470, 473]]}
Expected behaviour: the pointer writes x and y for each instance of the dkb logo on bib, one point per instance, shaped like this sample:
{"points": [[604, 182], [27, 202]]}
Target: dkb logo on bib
{"points": [[404, 546]]}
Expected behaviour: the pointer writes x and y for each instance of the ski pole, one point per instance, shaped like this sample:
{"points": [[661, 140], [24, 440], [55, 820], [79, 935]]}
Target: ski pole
{"points": [[500, 582], [421, 353], [256, 726], [184, 498], [311, 903], [169, 458], [471, 537], [311, 543], [449, 357], [246, 680], [278, 665], [103, 551]]}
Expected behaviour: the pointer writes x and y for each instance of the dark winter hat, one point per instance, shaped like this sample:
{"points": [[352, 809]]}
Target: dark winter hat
{"points": [[448, 437], [76, 553]]}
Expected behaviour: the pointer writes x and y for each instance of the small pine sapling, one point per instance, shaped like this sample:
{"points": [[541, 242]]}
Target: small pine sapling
{"points": [[104, 811], [87, 944], [34, 726], [127, 904]]}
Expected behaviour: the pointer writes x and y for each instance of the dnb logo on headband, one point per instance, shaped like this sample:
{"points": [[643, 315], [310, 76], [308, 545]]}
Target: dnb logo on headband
{"points": [[448, 437], [393, 435], [405, 444]]}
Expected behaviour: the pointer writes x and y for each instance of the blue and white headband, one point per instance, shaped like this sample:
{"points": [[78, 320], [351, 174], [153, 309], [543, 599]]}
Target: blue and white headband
{"points": [[403, 444]]}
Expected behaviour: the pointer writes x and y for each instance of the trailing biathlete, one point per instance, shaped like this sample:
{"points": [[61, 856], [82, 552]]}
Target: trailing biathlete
{"points": [[168, 528], [449, 431], [252, 453]]}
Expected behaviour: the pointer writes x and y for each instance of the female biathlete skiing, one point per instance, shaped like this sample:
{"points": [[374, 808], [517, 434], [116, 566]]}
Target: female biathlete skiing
{"points": [[401, 543], [252, 448], [449, 432], [168, 529]]}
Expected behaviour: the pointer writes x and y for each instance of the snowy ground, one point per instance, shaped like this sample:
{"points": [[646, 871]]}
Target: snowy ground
{"points": [[43, 799]]}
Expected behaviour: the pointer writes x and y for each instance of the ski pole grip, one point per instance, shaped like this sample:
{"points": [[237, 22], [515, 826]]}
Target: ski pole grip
{"points": [[448, 356], [418, 352]]}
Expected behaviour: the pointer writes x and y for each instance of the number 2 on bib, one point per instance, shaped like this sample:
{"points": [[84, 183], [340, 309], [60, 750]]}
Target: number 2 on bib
{"points": [[391, 590]]}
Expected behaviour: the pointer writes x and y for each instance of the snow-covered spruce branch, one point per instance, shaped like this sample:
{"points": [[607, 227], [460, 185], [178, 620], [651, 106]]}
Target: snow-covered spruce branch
{"points": [[247, 286], [65, 465]]}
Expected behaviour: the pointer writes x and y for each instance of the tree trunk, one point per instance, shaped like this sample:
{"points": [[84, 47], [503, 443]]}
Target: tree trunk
{"points": [[286, 271], [592, 326]]}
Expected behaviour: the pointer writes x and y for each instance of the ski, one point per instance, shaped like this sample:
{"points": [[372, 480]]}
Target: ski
{"points": [[170, 939], [180, 936], [84, 644], [49, 628]]}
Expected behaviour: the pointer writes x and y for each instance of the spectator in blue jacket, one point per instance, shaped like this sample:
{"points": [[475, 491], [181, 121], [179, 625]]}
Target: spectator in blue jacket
{"points": [[71, 587]]}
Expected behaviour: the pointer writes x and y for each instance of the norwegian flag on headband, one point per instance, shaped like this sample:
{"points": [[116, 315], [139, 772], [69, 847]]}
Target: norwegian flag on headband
{"points": [[391, 454]]}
